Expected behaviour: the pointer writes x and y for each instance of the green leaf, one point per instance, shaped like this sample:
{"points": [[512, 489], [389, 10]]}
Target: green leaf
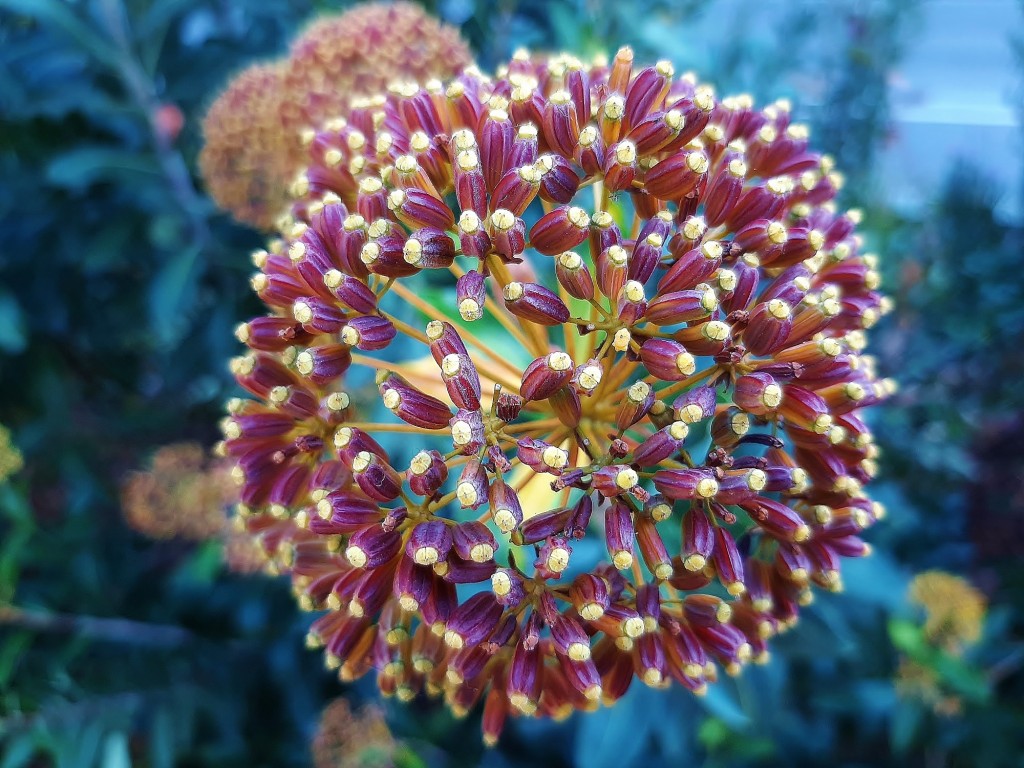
{"points": [[83, 167], [171, 295]]}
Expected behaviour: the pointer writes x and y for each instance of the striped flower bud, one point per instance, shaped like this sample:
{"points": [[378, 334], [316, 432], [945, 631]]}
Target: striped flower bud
{"points": [[698, 539], [474, 541], [687, 484], [372, 546], [573, 275], [663, 444], [417, 208], [427, 473], [619, 535], [429, 249], [506, 510], [560, 230], [468, 434], [472, 488], [696, 405], [461, 379], [471, 294], [375, 477], [507, 232], [668, 360], [558, 180], [411, 405], [635, 405], [757, 393], [368, 332], [546, 375], [692, 267], [535, 303], [682, 306]]}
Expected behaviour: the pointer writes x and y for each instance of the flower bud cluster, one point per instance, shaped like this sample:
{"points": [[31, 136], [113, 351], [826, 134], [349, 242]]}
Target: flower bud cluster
{"points": [[682, 375], [253, 148]]}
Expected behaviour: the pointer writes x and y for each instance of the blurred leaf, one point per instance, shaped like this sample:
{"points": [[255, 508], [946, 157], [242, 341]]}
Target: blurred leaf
{"points": [[82, 167], [721, 703], [616, 737], [172, 294], [115, 751], [906, 722], [12, 324], [60, 15]]}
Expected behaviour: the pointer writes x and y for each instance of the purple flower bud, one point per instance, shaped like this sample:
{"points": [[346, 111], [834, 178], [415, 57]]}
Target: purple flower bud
{"points": [[692, 267], [350, 441], [777, 519], [677, 176], [440, 605], [635, 405], [544, 524], [724, 189], [573, 275], [561, 123], [536, 303], [558, 180], [705, 610], [385, 255], [444, 340], [473, 237], [324, 364], [682, 306], [372, 546], [560, 230], [757, 393], [612, 269], [668, 360], [553, 557], [470, 187], [411, 405], [429, 249], [618, 523], [663, 444], [317, 315], [590, 151], [498, 135], [652, 548], [368, 332], [508, 406], [427, 473], [472, 621], [632, 302], [579, 518], [685, 484], [412, 584], [351, 291], [508, 588], [769, 327], [468, 434], [461, 380], [566, 406], [524, 146], [417, 208], [541, 456], [589, 595], [508, 233], [517, 189], [474, 541], [647, 251], [728, 562], [525, 678], [546, 375], [695, 405], [394, 518], [272, 334], [506, 511], [375, 477], [459, 571]]}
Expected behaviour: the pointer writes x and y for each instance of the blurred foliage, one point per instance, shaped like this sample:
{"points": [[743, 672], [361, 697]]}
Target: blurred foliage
{"points": [[119, 288]]}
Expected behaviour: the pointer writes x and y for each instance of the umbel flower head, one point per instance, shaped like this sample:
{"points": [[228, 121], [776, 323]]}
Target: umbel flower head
{"points": [[954, 608], [649, 345], [252, 149]]}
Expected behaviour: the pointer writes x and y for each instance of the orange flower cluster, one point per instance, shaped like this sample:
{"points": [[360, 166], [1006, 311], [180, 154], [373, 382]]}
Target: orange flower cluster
{"points": [[252, 148], [347, 739]]}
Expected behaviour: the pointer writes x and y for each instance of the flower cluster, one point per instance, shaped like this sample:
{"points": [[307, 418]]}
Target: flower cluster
{"points": [[954, 618], [240, 160], [954, 608], [347, 739], [11, 460], [252, 149], [183, 494], [652, 335]]}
